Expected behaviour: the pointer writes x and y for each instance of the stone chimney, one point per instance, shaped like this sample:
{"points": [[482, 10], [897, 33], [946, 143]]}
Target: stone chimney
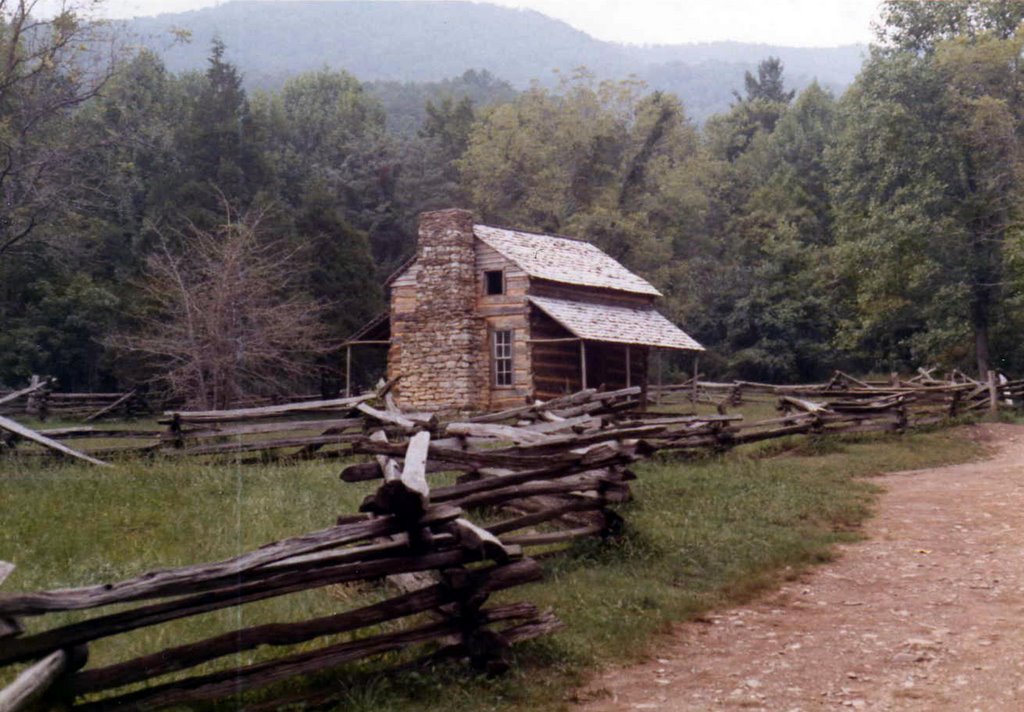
{"points": [[440, 341]]}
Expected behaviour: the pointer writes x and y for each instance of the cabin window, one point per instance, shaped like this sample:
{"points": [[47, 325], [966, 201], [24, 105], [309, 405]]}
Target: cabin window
{"points": [[502, 358], [494, 282]]}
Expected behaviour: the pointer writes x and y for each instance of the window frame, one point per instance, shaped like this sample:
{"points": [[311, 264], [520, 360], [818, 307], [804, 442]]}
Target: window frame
{"points": [[500, 357], [487, 282]]}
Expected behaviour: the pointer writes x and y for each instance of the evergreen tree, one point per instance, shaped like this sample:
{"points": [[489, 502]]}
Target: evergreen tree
{"points": [[218, 144], [768, 84], [342, 275], [765, 102], [766, 305]]}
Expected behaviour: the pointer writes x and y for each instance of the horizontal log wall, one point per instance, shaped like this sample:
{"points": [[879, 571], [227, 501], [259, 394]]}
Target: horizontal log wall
{"points": [[556, 364]]}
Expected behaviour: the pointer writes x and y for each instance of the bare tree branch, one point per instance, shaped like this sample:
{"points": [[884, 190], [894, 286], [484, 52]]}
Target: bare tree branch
{"points": [[223, 325], [50, 64]]}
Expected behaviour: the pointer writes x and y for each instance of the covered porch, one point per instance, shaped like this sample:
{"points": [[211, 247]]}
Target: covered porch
{"points": [[375, 334], [576, 345]]}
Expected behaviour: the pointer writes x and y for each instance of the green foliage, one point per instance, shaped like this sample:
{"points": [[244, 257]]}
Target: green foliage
{"points": [[323, 132], [166, 150], [405, 103], [342, 275], [597, 160], [766, 308], [790, 234], [449, 123], [920, 26], [768, 84], [58, 330], [926, 185]]}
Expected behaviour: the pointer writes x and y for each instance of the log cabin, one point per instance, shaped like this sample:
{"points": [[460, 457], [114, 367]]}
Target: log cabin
{"points": [[484, 318]]}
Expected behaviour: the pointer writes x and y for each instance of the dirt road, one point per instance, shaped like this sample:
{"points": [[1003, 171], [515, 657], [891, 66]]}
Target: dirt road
{"points": [[926, 614]]}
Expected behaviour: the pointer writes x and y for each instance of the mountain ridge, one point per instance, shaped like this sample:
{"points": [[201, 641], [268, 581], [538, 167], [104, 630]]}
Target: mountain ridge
{"points": [[428, 41]]}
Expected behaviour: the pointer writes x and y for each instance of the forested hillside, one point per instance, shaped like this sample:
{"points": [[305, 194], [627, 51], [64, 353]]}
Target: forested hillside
{"points": [[795, 232], [431, 41]]}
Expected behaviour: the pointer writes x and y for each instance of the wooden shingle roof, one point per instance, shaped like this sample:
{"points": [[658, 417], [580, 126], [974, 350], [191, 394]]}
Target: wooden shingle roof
{"points": [[563, 260], [641, 326]]}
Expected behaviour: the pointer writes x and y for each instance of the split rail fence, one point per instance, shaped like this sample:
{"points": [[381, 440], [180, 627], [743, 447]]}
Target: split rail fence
{"points": [[536, 476], [332, 428], [931, 399], [41, 402], [305, 429], [550, 478]]}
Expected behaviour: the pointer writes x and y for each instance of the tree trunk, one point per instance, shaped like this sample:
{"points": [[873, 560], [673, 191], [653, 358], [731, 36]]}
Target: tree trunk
{"points": [[981, 349], [983, 297], [985, 275]]}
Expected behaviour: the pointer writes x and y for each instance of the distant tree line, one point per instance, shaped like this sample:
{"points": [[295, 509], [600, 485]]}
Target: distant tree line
{"points": [[791, 235]]}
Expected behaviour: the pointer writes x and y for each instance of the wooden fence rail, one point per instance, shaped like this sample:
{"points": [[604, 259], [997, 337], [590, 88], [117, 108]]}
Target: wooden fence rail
{"points": [[560, 470], [41, 402], [403, 532], [538, 475], [957, 395], [335, 428], [320, 428]]}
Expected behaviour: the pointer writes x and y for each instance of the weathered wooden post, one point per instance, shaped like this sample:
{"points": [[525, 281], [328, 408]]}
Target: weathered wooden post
{"points": [[583, 364], [33, 682], [657, 355], [901, 417], [9, 626], [47, 677], [175, 433], [993, 392], [696, 374], [35, 404], [348, 371]]}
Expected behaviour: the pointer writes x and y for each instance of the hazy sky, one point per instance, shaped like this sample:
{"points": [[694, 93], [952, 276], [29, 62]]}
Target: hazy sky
{"points": [[785, 22]]}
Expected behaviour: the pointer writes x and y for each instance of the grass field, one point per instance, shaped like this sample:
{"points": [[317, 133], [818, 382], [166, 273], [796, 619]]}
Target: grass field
{"points": [[701, 534]]}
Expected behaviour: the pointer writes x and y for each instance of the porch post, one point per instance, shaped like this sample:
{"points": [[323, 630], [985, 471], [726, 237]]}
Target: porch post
{"points": [[629, 369], [696, 373], [657, 356], [348, 371], [583, 364]]}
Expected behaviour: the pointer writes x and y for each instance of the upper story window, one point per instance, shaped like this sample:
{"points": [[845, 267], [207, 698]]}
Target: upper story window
{"points": [[494, 282], [502, 345]]}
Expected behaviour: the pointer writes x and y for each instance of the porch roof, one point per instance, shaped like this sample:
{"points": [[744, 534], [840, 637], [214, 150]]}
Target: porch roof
{"points": [[376, 330], [616, 324]]}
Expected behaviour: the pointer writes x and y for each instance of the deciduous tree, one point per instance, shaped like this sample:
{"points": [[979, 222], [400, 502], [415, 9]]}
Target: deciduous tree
{"points": [[928, 193], [221, 320], [50, 64]]}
